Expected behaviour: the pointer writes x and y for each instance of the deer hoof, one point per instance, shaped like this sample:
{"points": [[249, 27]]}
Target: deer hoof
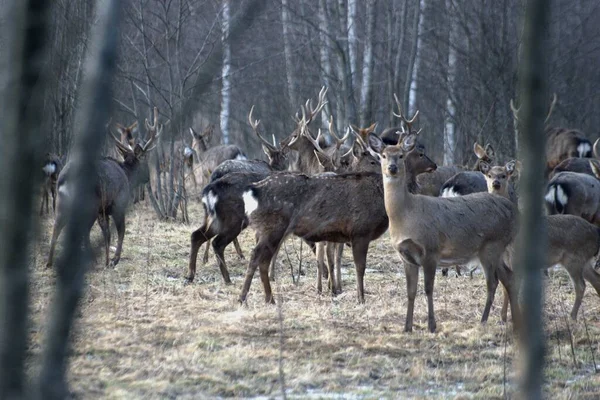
{"points": [[49, 265], [188, 280]]}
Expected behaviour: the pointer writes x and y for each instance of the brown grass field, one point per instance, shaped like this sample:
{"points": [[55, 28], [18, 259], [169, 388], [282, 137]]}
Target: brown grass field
{"points": [[142, 334]]}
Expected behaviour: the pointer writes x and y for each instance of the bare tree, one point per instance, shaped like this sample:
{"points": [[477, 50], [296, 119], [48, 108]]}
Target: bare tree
{"points": [[226, 70]]}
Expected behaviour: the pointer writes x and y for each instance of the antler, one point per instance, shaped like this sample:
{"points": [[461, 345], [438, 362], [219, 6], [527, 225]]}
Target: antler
{"points": [[338, 141], [515, 110], [552, 104], [154, 131], [312, 111], [315, 142], [365, 145], [120, 145], [407, 122], [254, 124]]}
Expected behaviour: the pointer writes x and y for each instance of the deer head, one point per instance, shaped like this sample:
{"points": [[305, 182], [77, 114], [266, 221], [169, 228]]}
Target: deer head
{"points": [[498, 177], [127, 133], [276, 153]]}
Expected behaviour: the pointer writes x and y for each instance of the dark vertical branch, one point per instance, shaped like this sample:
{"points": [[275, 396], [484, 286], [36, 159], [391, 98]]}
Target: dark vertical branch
{"points": [[21, 103], [533, 242], [90, 121]]}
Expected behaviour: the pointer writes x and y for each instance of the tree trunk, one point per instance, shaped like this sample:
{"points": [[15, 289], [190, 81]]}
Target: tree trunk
{"points": [[287, 50], [352, 40], [450, 125], [533, 242], [225, 71], [366, 115], [412, 95]]}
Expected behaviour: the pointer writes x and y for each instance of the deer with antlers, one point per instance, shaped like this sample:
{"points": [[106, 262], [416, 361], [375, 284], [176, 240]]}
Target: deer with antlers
{"points": [[52, 167], [111, 195]]}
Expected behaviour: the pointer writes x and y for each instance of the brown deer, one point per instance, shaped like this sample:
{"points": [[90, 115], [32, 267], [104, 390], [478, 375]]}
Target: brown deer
{"points": [[573, 242], [111, 195], [467, 182], [308, 207], [577, 164], [142, 174], [561, 143], [450, 230], [226, 183], [52, 167]]}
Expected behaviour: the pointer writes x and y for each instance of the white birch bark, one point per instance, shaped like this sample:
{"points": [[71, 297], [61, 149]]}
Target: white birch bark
{"points": [[412, 96], [367, 70], [450, 124], [287, 50], [226, 69], [352, 40]]}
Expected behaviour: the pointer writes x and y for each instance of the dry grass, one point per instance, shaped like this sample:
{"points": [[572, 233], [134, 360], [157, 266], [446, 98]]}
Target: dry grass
{"points": [[142, 333]]}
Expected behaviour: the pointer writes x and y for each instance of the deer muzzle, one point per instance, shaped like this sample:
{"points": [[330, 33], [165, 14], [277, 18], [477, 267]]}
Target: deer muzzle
{"points": [[392, 169]]}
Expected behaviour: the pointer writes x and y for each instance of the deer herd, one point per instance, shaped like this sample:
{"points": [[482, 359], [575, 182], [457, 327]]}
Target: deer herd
{"points": [[333, 192]]}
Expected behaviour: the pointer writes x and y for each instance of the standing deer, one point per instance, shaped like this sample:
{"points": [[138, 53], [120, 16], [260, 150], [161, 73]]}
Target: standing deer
{"points": [[467, 182], [573, 242], [577, 164], [308, 207], [111, 195], [561, 143], [142, 174], [450, 231], [52, 167]]}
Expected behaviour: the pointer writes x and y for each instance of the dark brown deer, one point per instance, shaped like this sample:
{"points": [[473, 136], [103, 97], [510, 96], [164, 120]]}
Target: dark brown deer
{"points": [[112, 195], [142, 174], [308, 207], [450, 230], [561, 143], [573, 242], [52, 167]]}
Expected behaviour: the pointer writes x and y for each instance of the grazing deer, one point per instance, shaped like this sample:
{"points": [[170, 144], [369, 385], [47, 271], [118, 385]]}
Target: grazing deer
{"points": [[308, 207], [450, 231], [561, 143], [111, 195], [573, 242], [467, 182], [52, 167], [577, 164], [206, 159], [240, 173]]}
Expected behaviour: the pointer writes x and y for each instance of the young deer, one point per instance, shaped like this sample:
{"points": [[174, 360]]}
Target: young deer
{"points": [[573, 242], [450, 230], [111, 195], [308, 207], [52, 167]]}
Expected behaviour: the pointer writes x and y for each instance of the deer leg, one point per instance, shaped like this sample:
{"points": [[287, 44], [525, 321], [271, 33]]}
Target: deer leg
{"points": [[199, 236], [590, 275], [119, 219], [274, 263], [219, 243], [238, 249], [103, 221], [338, 267], [53, 191], [206, 251], [504, 311], [506, 277], [320, 265], [411, 272], [491, 283], [331, 275], [261, 256], [59, 224], [359, 253], [429, 269], [576, 274]]}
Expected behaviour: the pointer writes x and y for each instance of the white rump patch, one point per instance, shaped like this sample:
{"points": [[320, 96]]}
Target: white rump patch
{"points": [[63, 190], [450, 192], [49, 168], [250, 202], [550, 196], [187, 151], [240, 157], [583, 149], [561, 196], [210, 201]]}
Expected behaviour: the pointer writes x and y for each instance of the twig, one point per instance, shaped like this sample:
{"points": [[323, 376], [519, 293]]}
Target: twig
{"points": [[280, 361], [504, 395], [568, 326], [587, 335], [558, 341], [287, 255]]}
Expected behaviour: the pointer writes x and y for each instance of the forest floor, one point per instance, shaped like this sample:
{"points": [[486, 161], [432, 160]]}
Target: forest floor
{"points": [[142, 333]]}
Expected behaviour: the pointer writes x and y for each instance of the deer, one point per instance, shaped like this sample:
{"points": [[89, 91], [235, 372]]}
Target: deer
{"points": [[577, 164], [573, 242], [206, 159], [466, 182], [111, 196], [142, 175], [561, 143], [239, 173], [575, 193], [450, 230], [52, 167], [293, 203]]}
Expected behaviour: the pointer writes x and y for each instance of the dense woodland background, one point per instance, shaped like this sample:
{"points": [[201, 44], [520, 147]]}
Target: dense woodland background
{"points": [[455, 61]]}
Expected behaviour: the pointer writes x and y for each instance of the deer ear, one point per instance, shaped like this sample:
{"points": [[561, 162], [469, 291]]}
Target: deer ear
{"points": [[478, 150], [193, 133], [595, 168], [489, 151], [408, 142], [376, 143], [372, 127], [267, 151], [484, 167], [511, 166], [411, 252]]}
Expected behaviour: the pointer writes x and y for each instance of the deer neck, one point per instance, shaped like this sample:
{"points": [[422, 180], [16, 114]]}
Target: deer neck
{"points": [[396, 195], [411, 181]]}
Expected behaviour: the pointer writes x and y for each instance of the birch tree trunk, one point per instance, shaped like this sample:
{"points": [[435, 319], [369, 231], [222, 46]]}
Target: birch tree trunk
{"points": [[225, 71], [324, 53], [450, 125], [366, 92], [352, 40], [414, 71], [287, 49]]}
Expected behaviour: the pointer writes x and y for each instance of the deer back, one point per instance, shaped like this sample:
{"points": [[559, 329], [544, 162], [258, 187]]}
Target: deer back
{"points": [[562, 143], [430, 184], [242, 166], [574, 193]]}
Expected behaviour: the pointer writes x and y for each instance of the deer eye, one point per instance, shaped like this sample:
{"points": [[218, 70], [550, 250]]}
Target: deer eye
{"points": [[421, 155], [401, 156], [503, 176], [383, 156]]}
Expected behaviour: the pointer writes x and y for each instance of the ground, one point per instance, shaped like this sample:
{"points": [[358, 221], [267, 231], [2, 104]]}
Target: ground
{"points": [[142, 333]]}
